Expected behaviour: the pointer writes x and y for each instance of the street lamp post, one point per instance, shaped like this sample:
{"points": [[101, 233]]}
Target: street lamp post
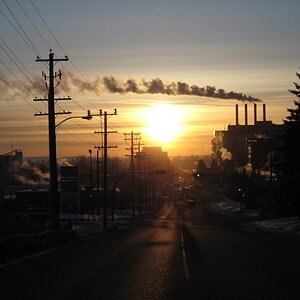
{"points": [[89, 116]]}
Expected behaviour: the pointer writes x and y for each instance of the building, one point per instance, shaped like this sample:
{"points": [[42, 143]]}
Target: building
{"points": [[8, 163], [159, 159], [247, 143]]}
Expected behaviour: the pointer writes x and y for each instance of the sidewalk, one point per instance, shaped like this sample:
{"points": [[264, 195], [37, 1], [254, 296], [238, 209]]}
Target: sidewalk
{"points": [[283, 226], [91, 225]]}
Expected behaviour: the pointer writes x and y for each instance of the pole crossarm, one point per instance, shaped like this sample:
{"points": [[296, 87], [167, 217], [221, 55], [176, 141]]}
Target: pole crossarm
{"points": [[55, 99], [104, 132], [108, 147]]}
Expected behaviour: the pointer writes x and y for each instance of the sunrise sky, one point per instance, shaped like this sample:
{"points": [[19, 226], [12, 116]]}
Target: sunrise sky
{"points": [[250, 47]]}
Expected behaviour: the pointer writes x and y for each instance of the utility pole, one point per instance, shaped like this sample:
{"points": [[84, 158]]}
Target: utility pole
{"points": [[139, 178], [134, 136], [54, 196], [105, 147], [150, 181], [145, 179]]}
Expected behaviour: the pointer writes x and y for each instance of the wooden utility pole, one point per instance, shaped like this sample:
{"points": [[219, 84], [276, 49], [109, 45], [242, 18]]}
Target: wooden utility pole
{"points": [[54, 196], [105, 148], [134, 136]]}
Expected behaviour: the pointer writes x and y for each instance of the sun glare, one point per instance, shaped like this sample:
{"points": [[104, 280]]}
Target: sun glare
{"points": [[164, 122]]}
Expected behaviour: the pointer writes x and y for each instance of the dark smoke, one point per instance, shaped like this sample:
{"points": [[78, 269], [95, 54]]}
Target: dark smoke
{"points": [[113, 84], [158, 86]]}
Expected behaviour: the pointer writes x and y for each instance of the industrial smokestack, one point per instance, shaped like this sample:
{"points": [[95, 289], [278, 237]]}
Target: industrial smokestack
{"points": [[246, 114], [264, 112], [236, 114], [255, 113]]}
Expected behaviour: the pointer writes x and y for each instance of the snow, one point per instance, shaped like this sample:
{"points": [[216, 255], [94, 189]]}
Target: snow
{"points": [[289, 226]]}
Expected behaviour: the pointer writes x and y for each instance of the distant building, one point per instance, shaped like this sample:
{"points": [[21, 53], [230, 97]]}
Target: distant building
{"points": [[247, 143], [159, 159], [8, 163]]}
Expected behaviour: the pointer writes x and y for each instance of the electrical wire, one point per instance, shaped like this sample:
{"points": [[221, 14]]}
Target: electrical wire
{"points": [[76, 137], [20, 35], [14, 61], [29, 40], [21, 96], [73, 64], [34, 26]]}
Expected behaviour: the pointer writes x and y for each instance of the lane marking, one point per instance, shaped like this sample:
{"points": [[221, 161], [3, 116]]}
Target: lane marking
{"points": [[184, 258]]}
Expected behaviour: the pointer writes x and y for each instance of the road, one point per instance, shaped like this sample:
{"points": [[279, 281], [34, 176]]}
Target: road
{"points": [[162, 256]]}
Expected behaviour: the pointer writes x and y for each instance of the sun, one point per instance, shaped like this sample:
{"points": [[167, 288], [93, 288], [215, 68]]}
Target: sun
{"points": [[164, 122]]}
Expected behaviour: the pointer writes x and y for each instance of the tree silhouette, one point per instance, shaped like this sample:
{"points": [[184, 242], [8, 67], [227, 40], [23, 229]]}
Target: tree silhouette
{"points": [[291, 150]]}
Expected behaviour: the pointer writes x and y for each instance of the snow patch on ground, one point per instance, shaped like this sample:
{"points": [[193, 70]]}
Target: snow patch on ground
{"points": [[282, 225], [290, 225]]}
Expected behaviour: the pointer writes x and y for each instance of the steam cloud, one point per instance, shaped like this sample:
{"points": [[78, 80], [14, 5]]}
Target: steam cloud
{"points": [[225, 154], [28, 174], [9, 87]]}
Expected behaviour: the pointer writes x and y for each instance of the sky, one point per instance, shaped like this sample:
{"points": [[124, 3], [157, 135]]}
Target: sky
{"points": [[249, 47]]}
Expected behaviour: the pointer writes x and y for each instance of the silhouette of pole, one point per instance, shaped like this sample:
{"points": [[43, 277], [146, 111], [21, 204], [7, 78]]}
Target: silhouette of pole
{"points": [[97, 188], [105, 172], [105, 148], [133, 137], [132, 175], [52, 147], [139, 178], [54, 196]]}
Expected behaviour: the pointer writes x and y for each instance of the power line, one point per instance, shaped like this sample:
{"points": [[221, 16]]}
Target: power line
{"points": [[14, 61], [17, 31], [73, 64], [61, 48], [9, 70], [48, 27], [34, 26], [9, 85], [78, 138], [29, 40]]}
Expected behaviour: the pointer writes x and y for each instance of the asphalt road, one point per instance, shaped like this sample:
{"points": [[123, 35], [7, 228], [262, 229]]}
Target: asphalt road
{"points": [[163, 256]]}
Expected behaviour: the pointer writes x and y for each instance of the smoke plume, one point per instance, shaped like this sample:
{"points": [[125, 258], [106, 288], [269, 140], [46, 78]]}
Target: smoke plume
{"points": [[112, 84], [159, 86]]}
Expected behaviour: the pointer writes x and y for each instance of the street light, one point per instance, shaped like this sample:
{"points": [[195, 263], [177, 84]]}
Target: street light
{"points": [[88, 117], [55, 210]]}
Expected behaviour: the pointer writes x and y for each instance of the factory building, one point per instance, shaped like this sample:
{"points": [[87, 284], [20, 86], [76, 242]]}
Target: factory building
{"points": [[247, 143]]}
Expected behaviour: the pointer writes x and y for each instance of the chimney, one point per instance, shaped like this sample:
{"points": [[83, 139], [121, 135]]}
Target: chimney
{"points": [[246, 114], [255, 113], [236, 114], [264, 112]]}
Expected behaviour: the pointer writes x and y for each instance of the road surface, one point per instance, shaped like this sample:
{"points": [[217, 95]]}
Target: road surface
{"points": [[162, 256]]}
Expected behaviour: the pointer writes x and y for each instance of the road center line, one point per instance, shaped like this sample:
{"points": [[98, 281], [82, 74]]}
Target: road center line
{"points": [[185, 265]]}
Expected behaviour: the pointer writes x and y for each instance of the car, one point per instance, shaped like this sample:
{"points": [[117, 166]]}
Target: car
{"points": [[191, 203]]}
